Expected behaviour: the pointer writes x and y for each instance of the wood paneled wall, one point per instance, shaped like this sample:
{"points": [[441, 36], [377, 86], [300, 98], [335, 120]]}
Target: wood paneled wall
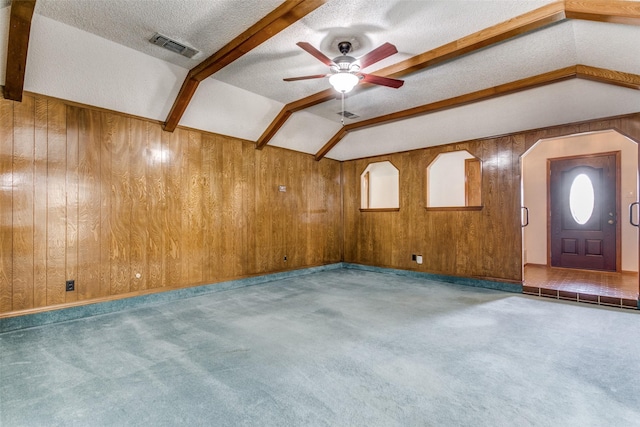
{"points": [[124, 208], [485, 243]]}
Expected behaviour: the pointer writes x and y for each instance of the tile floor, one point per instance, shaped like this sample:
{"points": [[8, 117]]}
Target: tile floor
{"points": [[596, 287]]}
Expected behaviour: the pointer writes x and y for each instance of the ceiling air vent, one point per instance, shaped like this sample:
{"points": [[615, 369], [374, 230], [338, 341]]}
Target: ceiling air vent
{"points": [[348, 115], [173, 45]]}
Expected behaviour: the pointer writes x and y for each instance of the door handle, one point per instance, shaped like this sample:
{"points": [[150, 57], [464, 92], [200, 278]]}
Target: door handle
{"points": [[526, 222], [635, 224]]}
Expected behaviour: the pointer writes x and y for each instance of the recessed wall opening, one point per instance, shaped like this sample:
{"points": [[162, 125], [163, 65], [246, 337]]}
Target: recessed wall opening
{"points": [[581, 243], [454, 180], [380, 187]]}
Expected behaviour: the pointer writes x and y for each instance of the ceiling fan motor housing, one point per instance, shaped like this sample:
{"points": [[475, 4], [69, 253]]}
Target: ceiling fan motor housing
{"points": [[346, 64], [345, 69]]}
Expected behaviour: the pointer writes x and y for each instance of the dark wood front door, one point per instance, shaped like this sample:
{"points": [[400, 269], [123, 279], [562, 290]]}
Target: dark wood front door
{"points": [[582, 209]]}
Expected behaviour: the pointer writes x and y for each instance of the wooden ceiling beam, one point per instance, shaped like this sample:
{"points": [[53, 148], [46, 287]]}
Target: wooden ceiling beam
{"points": [[19, 30], [280, 18], [521, 24], [288, 110], [618, 12], [612, 77], [577, 71], [624, 12]]}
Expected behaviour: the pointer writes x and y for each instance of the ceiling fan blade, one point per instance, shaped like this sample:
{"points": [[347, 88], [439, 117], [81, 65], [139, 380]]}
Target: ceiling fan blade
{"points": [[382, 81], [377, 54], [316, 76], [315, 52]]}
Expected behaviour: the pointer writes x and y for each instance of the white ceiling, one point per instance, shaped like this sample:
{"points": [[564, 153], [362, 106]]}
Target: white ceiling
{"points": [[97, 52]]}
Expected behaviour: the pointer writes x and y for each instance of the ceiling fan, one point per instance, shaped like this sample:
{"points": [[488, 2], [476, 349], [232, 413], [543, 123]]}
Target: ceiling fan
{"points": [[344, 71]]}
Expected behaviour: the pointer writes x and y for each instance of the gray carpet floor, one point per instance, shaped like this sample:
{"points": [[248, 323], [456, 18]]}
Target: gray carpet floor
{"points": [[337, 348]]}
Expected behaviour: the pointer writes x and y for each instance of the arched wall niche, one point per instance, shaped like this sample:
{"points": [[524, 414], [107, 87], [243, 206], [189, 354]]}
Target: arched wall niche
{"points": [[454, 180], [380, 187], [534, 189]]}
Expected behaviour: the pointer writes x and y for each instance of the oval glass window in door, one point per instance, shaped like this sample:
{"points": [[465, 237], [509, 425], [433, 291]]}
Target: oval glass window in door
{"points": [[581, 199]]}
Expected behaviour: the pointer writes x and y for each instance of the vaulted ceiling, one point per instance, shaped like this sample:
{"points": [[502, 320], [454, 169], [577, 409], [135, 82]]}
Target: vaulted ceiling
{"points": [[472, 68]]}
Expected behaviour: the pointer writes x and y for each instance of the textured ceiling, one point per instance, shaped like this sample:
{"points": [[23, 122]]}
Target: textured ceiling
{"points": [[91, 36], [205, 25], [412, 26]]}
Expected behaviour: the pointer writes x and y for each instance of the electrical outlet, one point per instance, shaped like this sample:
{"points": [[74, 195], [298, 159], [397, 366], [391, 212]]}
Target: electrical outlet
{"points": [[70, 285], [285, 258], [413, 257]]}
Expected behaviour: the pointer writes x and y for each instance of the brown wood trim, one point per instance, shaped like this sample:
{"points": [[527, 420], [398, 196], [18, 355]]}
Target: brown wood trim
{"points": [[280, 18], [380, 210], [612, 77], [582, 156], [19, 30], [577, 71], [289, 109], [481, 95], [273, 128], [453, 208], [619, 12], [366, 192], [145, 119], [332, 142], [342, 218], [533, 130], [277, 20], [604, 11], [185, 94], [521, 24]]}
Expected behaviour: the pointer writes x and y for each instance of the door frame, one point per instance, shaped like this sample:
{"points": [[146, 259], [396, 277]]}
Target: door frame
{"points": [[618, 202]]}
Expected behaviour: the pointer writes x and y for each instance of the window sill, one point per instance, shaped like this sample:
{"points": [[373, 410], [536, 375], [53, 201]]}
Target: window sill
{"points": [[455, 208], [380, 210]]}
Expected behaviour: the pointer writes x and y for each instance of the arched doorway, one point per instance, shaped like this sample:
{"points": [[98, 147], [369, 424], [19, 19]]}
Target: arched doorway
{"points": [[613, 288]]}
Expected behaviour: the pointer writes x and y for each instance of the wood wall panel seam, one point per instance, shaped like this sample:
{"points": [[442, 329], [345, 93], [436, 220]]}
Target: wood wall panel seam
{"points": [[40, 203], [6, 205], [240, 203], [483, 243], [23, 203], [122, 197], [70, 214]]}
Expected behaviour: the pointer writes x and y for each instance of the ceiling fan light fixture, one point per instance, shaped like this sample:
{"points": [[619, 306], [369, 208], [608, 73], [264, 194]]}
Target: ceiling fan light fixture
{"points": [[344, 81]]}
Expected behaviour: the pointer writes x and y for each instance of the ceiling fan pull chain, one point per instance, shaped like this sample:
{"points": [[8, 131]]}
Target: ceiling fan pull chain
{"points": [[342, 109]]}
